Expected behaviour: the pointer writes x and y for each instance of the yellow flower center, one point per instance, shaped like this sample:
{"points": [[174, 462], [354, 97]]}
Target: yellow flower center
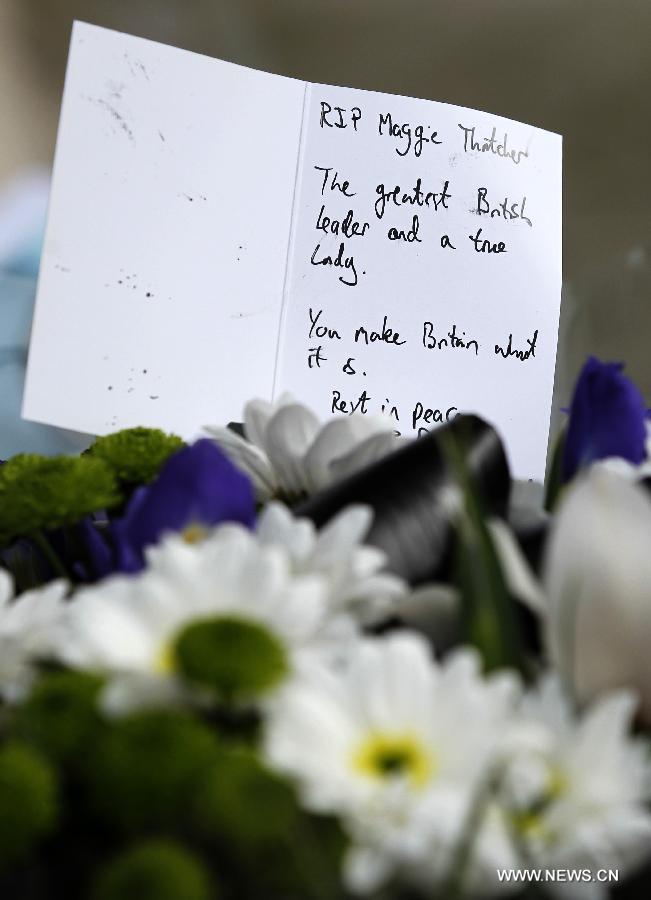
{"points": [[165, 662], [194, 533], [387, 756]]}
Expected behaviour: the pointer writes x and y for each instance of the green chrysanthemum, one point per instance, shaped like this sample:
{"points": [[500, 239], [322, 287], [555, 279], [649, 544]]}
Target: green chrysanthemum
{"points": [[136, 455], [28, 800], [61, 716], [155, 870], [146, 768], [41, 493], [235, 657], [232, 794]]}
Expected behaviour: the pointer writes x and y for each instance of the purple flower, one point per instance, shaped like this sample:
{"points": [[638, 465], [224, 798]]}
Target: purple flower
{"points": [[197, 488], [607, 418], [98, 559]]}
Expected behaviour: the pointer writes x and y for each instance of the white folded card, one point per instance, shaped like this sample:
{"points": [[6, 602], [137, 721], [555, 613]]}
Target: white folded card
{"points": [[217, 234]]}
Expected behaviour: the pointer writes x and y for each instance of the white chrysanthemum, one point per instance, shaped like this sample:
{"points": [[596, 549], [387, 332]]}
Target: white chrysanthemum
{"points": [[126, 625], [28, 625], [289, 453], [576, 790], [352, 571], [395, 744]]}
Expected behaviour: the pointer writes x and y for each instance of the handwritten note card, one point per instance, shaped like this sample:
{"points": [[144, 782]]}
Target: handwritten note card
{"points": [[217, 233]]}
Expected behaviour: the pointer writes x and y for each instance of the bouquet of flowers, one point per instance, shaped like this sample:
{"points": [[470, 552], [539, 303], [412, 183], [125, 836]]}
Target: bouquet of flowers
{"points": [[305, 660]]}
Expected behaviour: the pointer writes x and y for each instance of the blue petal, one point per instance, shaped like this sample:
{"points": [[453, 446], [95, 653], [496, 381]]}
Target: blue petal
{"points": [[97, 551], [607, 418], [199, 485]]}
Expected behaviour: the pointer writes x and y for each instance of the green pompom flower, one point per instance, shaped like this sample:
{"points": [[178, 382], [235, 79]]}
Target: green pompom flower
{"points": [[155, 870], [40, 493], [146, 768], [236, 657], [28, 801], [232, 794], [135, 455], [61, 716]]}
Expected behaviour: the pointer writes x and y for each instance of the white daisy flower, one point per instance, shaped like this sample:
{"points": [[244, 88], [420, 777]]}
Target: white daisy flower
{"points": [[126, 625], [351, 570], [398, 746], [289, 453], [28, 625], [575, 791]]}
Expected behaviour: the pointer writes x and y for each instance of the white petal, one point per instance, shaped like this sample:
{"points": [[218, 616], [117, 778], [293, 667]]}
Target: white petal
{"points": [[276, 525], [365, 869], [257, 415], [609, 719], [288, 436], [518, 575], [347, 529], [337, 439], [128, 693]]}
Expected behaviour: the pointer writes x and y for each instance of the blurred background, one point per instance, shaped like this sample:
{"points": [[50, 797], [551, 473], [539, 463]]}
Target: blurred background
{"points": [[578, 67]]}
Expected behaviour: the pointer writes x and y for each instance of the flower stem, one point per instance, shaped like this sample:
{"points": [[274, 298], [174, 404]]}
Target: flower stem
{"points": [[50, 555], [461, 857]]}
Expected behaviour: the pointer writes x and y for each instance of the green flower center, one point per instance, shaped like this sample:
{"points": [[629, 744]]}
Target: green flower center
{"points": [[237, 657]]}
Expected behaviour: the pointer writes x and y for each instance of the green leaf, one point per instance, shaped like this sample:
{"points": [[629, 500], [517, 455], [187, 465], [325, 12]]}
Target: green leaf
{"points": [[488, 613], [554, 480]]}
